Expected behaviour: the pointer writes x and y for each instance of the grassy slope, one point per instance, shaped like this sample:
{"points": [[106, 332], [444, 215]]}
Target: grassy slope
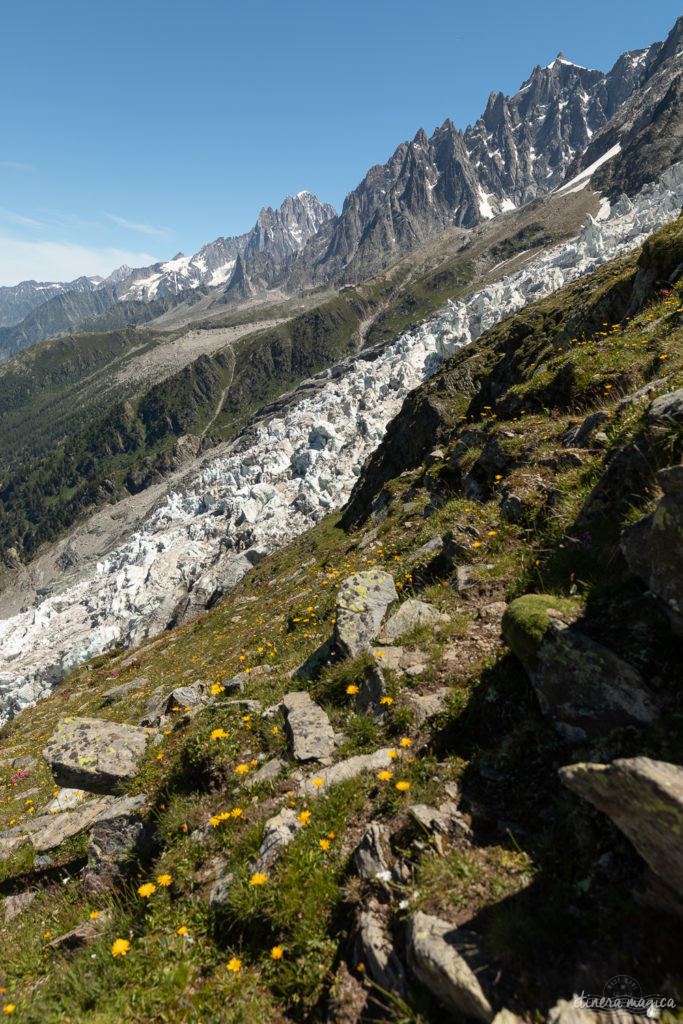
{"points": [[547, 884]]}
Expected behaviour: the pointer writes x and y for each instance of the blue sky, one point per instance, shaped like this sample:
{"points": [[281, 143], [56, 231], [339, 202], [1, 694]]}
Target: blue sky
{"points": [[134, 130]]}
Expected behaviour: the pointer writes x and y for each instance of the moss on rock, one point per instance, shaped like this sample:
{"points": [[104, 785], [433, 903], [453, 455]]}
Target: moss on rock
{"points": [[526, 621]]}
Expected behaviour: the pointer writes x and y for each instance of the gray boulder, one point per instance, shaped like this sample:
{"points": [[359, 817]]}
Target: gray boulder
{"points": [[410, 614], [445, 960], [116, 693], [308, 728], [376, 951], [98, 756], [667, 409], [582, 687], [644, 798], [362, 602], [653, 546]]}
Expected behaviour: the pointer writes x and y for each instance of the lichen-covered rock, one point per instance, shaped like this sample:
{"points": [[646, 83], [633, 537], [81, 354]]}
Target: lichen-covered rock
{"points": [[351, 768], [582, 687], [308, 728], [410, 614], [444, 959], [653, 546], [16, 904], [98, 756], [362, 603], [644, 798]]}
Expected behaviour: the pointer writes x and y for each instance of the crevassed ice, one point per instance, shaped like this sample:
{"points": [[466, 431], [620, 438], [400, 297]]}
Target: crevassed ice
{"points": [[302, 464]]}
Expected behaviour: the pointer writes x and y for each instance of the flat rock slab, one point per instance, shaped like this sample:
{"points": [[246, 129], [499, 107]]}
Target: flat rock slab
{"points": [[362, 603], [411, 613], [308, 728], [372, 853], [644, 798], [667, 408], [344, 770], [66, 799], [69, 823], [91, 754], [125, 689], [84, 934], [444, 960]]}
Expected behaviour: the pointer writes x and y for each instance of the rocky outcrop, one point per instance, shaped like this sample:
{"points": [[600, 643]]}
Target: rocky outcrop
{"points": [[277, 834], [308, 728], [653, 547], [362, 602], [371, 856], [582, 687], [644, 799], [91, 754], [445, 960]]}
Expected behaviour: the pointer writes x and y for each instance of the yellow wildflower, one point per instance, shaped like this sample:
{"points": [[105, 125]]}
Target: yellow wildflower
{"points": [[216, 689], [386, 700], [9, 1008], [258, 879], [351, 689], [385, 776], [318, 783], [146, 890], [242, 769], [234, 965], [405, 742], [324, 844], [120, 947], [277, 952], [164, 880], [219, 734], [392, 754], [94, 914], [182, 930], [304, 818], [402, 787]]}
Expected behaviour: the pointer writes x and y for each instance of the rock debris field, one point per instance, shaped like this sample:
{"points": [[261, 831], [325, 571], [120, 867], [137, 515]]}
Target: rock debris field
{"points": [[301, 465]]}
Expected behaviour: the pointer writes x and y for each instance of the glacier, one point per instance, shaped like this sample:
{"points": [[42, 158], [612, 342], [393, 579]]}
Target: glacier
{"points": [[285, 472]]}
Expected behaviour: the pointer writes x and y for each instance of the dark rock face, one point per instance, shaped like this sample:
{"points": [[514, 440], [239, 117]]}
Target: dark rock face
{"points": [[113, 847], [644, 798], [653, 547]]}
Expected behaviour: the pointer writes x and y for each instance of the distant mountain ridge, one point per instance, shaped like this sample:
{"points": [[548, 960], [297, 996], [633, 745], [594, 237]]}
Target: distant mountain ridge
{"points": [[51, 308], [626, 124]]}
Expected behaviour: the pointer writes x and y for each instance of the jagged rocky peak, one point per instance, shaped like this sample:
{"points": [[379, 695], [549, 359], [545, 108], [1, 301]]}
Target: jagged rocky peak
{"points": [[284, 231]]}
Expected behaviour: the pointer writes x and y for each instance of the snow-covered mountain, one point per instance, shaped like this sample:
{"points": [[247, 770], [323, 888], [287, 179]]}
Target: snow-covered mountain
{"points": [[284, 473], [520, 148], [31, 311], [276, 232]]}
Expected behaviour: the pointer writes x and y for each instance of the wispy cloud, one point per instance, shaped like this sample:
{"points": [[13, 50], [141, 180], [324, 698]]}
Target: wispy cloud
{"points": [[61, 261], [18, 218], [15, 165], [146, 229]]}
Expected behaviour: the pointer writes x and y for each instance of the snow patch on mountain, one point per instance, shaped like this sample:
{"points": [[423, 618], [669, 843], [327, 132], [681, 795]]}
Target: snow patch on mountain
{"points": [[284, 474]]}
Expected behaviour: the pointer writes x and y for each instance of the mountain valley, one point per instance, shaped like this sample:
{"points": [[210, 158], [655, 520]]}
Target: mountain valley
{"points": [[341, 592]]}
